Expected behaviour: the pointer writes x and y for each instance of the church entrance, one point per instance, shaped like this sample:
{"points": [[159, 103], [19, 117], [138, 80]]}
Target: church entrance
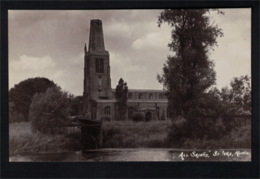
{"points": [[148, 116]]}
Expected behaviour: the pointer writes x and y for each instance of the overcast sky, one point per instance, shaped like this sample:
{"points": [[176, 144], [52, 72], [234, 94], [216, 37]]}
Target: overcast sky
{"points": [[50, 43]]}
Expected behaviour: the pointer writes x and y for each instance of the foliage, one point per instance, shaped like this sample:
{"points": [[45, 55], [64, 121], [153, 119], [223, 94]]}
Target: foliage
{"points": [[129, 134], [121, 98], [237, 99], [236, 138], [76, 104], [20, 97], [213, 116], [189, 73], [23, 139], [206, 105], [15, 116], [137, 117], [50, 110]]}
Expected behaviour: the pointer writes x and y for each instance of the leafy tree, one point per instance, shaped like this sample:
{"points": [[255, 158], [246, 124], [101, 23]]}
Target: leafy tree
{"points": [[20, 97], [207, 105], [49, 110], [189, 73], [237, 99], [121, 98]]}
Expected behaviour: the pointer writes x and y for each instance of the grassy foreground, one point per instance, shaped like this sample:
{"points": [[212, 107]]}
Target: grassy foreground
{"points": [[22, 139], [154, 134], [121, 134]]}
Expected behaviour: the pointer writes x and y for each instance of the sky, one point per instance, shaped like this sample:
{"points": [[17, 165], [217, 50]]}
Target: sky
{"points": [[50, 43]]}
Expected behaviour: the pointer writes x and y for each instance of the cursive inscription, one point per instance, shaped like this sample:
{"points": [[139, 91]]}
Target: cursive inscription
{"points": [[212, 153]]}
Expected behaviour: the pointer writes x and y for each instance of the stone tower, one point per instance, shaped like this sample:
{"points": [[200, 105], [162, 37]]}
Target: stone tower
{"points": [[97, 81]]}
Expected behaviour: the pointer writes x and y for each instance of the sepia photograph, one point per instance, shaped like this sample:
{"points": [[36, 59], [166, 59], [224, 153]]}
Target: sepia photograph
{"points": [[154, 85]]}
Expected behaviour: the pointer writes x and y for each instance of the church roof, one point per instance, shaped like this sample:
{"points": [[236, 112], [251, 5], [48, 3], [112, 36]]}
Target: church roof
{"points": [[105, 100], [143, 90], [132, 101]]}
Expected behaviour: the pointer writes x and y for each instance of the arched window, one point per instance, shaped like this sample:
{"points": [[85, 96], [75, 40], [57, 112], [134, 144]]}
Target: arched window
{"points": [[107, 110], [130, 112], [99, 65]]}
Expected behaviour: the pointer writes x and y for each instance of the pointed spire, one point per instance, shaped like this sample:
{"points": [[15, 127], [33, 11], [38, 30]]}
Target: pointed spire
{"points": [[96, 39]]}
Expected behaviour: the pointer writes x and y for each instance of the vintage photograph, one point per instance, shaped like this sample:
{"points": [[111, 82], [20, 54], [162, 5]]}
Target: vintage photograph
{"points": [[129, 85]]}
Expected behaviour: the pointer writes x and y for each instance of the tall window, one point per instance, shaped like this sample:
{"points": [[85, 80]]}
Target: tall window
{"points": [[130, 112], [99, 65], [107, 110], [129, 95], [99, 83]]}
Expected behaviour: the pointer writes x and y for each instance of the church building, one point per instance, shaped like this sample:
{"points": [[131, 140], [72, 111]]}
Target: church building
{"points": [[98, 96]]}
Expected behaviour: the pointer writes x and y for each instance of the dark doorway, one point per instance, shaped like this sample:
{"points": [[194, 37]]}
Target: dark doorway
{"points": [[148, 116]]}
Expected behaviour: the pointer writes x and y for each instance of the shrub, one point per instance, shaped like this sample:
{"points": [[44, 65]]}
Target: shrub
{"points": [[22, 139], [49, 110], [76, 104], [20, 96], [195, 129], [138, 117], [176, 134], [15, 116], [130, 134]]}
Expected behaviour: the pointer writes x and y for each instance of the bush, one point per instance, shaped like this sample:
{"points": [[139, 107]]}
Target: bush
{"points": [[20, 97], [201, 121], [195, 129], [138, 117], [15, 116], [22, 139], [49, 110], [76, 104], [130, 134]]}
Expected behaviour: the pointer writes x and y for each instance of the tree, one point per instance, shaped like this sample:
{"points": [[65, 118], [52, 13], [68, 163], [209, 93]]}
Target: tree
{"points": [[189, 73], [237, 99], [121, 98], [49, 110], [20, 97]]}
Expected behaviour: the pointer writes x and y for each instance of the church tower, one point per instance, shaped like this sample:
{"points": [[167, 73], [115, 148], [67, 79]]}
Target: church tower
{"points": [[97, 81]]}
